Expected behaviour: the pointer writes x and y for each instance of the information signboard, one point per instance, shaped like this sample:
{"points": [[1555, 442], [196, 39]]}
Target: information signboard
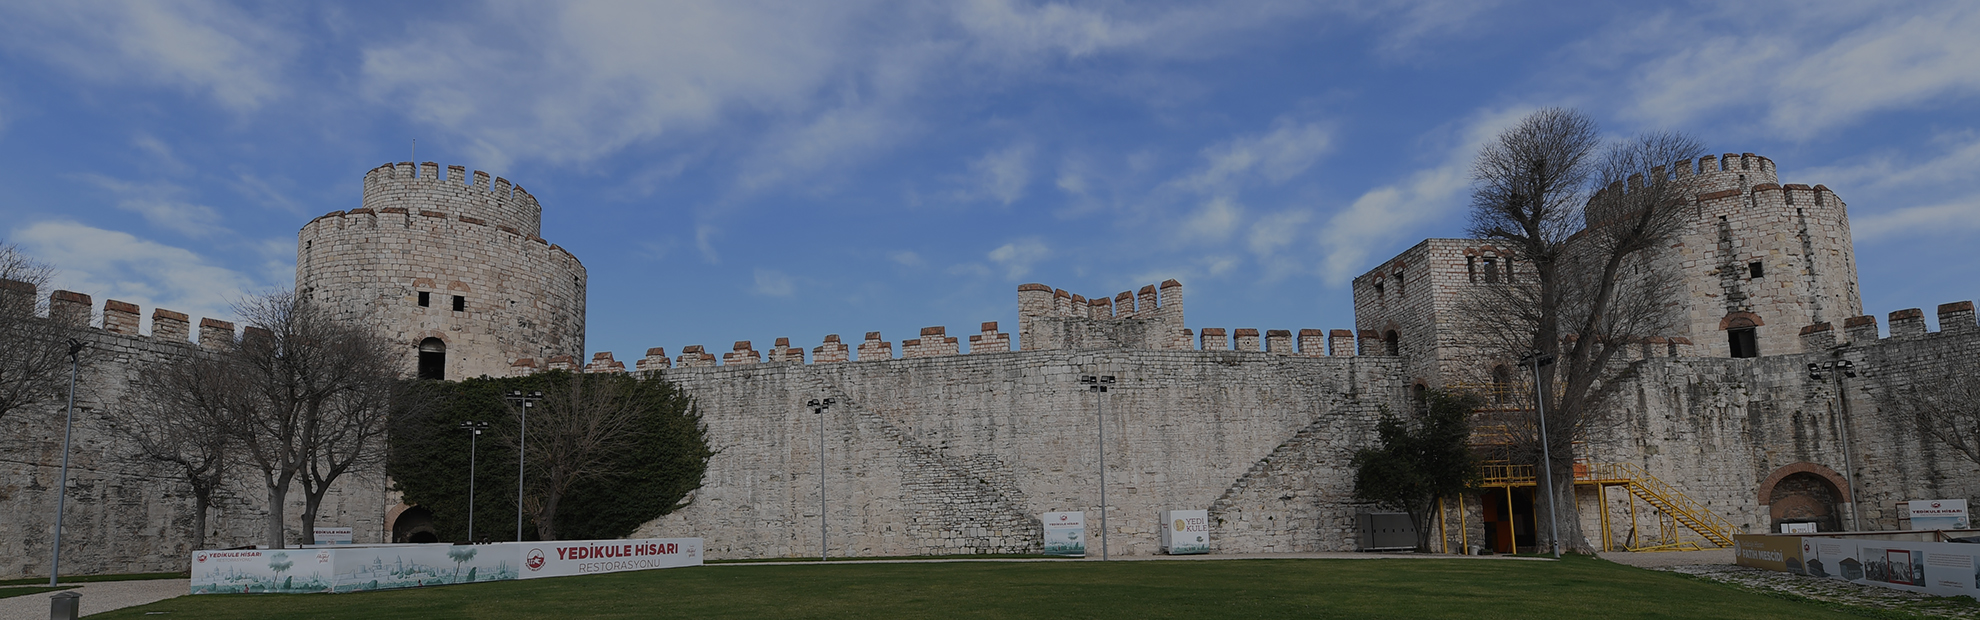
{"points": [[1065, 533], [1939, 514], [334, 535], [1185, 532], [383, 567]]}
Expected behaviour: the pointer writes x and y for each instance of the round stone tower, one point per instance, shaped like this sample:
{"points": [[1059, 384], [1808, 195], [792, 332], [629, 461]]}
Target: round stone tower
{"points": [[448, 266]]}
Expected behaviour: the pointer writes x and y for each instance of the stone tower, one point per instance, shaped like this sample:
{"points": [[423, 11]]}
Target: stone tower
{"points": [[450, 267]]}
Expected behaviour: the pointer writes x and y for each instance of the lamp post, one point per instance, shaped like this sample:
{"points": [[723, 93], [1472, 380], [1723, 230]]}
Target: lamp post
{"points": [[474, 435], [818, 407], [62, 487], [523, 403], [1841, 369], [1099, 385], [1538, 359]]}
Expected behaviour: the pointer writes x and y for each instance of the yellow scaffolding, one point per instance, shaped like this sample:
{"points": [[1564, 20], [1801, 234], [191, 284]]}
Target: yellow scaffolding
{"points": [[1674, 509]]}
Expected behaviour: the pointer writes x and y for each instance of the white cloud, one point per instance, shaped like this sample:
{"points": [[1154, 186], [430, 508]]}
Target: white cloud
{"points": [[774, 283], [1213, 222], [107, 264], [1017, 257], [1274, 232], [213, 48], [1277, 156], [1960, 161], [1382, 215], [1912, 222], [906, 258], [1816, 69], [158, 204], [1003, 174]]}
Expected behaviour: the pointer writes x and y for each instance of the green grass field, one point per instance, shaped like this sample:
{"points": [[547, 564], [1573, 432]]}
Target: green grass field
{"points": [[1394, 588]]}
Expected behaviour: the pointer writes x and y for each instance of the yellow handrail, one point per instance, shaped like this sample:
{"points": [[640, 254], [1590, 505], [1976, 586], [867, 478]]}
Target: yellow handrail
{"points": [[1681, 508]]}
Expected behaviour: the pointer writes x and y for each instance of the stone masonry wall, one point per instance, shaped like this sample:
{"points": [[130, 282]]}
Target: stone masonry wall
{"points": [[523, 297], [126, 515], [961, 453]]}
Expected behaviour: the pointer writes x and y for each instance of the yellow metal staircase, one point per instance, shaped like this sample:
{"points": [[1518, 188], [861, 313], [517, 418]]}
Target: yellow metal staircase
{"points": [[1673, 506]]}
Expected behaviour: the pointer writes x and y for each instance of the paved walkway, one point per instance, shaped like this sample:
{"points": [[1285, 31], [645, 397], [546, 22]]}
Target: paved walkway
{"points": [[97, 597], [1661, 559], [1164, 558]]}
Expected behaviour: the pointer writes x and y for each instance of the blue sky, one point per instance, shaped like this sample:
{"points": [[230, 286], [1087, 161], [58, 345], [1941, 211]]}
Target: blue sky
{"points": [[743, 171]]}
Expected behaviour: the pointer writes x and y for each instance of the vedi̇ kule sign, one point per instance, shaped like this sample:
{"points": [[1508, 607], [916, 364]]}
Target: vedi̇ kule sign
{"points": [[1939, 514], [1065, 533], [384, 567], [1185, 531]]}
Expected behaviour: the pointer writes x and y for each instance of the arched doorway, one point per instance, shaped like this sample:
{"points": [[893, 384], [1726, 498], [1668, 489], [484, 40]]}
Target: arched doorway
{"points": [[1390, 344], [433, 359], [1805, 493], [415, 525]]}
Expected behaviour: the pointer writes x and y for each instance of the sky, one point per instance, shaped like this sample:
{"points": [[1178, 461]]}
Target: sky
{"points": [[744, 170]]}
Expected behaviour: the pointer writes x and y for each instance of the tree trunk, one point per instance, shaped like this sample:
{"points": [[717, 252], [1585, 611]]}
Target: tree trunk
{"points": [[202, 502], [546, 517], [1572, 539], [278, 497], [310, 503]]}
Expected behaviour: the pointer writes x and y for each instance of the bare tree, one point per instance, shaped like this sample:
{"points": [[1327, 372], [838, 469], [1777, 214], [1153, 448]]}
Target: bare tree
{"points": [[34, 351], [576, 435], [1945, 401], [179, 415], [314, 391], [1584, 220]]}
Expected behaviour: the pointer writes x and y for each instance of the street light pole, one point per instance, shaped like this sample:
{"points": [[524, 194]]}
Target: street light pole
{"points": [[524, 402], [1100, 384], [62, 487], [474, 429], [818, 407], [1538, 359]]}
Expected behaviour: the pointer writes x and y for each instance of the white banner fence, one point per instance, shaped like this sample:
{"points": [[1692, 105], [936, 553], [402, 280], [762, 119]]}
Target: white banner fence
{"points": [[383, 567]]}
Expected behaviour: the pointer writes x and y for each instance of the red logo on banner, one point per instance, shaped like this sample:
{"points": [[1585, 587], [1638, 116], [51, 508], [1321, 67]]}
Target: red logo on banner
{"points": [[200, 558], [1935, 504], [1062, 517], [535, 560]]}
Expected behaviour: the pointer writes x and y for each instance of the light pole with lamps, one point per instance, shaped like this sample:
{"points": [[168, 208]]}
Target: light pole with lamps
{"points": [[523, 403], [818, 407], [1099, 385], [1841, 369], [1538, 359], [62, 487], [474, 435]]}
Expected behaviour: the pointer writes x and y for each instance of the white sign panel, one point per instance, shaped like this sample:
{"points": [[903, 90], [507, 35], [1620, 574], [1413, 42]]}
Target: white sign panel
{"points": [[334, 535], [558, 559], [262, 570], [1939, 514], [1185, 531], [1944, 569], [1065, 533]]}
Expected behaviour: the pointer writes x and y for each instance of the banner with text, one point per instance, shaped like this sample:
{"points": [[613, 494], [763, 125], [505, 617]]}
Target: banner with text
{"points": [[1185, 531], [1939, 514], [384, 567]]}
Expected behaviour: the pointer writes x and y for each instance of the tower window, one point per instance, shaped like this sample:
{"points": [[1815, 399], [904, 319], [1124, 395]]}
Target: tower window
{"points": [[1491, 270], [1378, 288], [1743, 341], [1756, 269], [1391, 344], [460, 303], [425, 299], [1471, 267], [432, 359], [1399, 283]]}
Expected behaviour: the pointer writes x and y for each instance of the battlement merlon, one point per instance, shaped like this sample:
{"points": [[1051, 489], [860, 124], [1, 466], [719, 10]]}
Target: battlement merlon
{"points": [[405, 184], [1050, 318]]}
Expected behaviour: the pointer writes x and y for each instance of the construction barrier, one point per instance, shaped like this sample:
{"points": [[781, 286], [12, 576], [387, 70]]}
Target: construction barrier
{"points": [[385, 567]]}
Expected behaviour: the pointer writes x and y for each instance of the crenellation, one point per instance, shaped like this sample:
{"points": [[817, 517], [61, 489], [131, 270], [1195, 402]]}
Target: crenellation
{"points": [[120, 317], [69, 307], [1245, 339], [784, 352], [215, 334], [1340, 343], [831, 351], [523, 367], [563, 362], [1818, 337], [934, 342], [1956, 317], [655, 360], [693, 356], [1313, 343], [602, 362], [1215, 340], [742, 353], [875, 349], [1859, 330], [1279, 342], [1124, 305], [1908, 324], [172, 327], [990, 341]]}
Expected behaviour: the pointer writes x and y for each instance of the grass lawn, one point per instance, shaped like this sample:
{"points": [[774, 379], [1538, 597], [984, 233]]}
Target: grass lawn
{"points": [[1575, 588], [28, 581]]}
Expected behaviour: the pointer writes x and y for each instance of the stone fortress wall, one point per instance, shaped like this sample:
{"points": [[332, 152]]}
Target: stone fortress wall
{"points": [[448, 236], [125, 514]]}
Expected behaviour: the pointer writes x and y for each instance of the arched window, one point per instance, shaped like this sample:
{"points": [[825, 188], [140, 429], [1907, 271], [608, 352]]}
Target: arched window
{"points": [[433, 359], [1389, 343], [1420, 396]]}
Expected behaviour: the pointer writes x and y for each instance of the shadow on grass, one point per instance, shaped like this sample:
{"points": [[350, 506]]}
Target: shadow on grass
{"points": [[1574, 588]]}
